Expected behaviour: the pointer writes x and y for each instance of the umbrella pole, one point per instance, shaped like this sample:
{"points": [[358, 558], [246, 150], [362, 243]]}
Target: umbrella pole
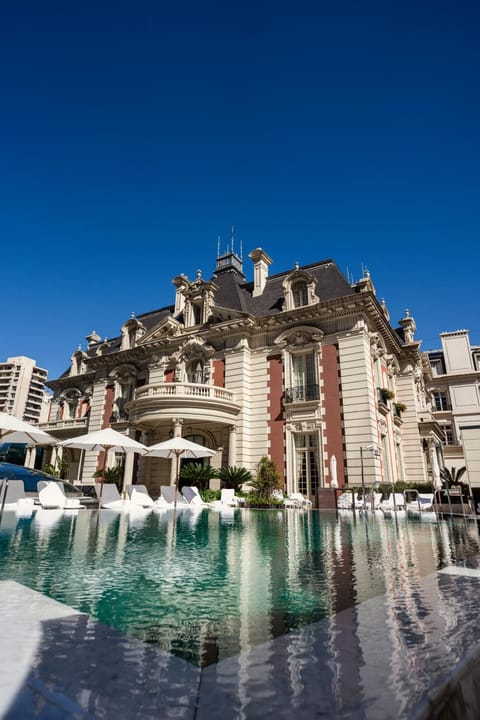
{"points": [[177, 455], [106, 449]]}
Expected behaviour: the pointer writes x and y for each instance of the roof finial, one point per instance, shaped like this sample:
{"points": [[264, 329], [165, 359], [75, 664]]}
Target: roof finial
{"points": [[132, 316], [297, 265], [232, 239], [218, 246]]}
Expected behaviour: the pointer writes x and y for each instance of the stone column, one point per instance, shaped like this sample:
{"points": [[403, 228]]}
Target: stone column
{"points": [[232, 445], [30, 456]]}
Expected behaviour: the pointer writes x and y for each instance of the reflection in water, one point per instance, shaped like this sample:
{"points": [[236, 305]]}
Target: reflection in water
{"points": [[207, 586]]}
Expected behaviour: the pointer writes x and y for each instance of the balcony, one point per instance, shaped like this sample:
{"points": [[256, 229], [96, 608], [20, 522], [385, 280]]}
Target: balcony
{"points": [[154, 403], [302, 393], [65, 428]]}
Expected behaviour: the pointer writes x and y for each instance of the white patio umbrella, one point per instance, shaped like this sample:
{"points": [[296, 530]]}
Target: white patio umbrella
{"points": [[13, 430], [106, 440], [178, 447], [333, 472]]}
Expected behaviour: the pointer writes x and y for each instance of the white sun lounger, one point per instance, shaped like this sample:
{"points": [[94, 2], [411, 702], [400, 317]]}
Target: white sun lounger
{"points": [[12, 497], [52, 496], [167, 492], [139, 496], [300, 500], [111, 498], [192, 496]]}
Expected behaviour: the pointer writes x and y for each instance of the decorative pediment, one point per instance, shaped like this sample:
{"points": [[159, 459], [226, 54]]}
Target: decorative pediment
{"points": [[163, 331], [70, 395], [124, 374], [193, 348], [299, 336]]}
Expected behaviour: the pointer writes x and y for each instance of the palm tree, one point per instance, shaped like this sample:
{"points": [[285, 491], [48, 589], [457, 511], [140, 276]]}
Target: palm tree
{"points": [[234, 477], [112, 475], [197, 474], [58, 469], [452, 477]]}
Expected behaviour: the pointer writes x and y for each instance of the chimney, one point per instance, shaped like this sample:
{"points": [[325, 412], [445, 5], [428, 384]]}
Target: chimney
{"points": [[261, 261]]}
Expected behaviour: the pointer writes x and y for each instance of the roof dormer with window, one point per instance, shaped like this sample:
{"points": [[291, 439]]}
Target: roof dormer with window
{"points": [[299, 289], [132, 331]]}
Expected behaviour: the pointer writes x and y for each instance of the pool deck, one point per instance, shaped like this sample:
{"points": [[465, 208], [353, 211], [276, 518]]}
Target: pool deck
{"points": [[367, 662]]}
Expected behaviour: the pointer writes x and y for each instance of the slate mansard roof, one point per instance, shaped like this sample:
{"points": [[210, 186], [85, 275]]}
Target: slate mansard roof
{"points": [[235, 293]]}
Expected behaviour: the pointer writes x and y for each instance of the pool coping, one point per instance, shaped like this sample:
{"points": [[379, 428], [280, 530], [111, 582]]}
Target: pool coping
{"points": [[56, 662]]}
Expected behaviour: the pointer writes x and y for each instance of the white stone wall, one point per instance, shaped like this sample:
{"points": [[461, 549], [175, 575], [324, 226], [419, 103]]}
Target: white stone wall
{"points": [[412, 450], [95, 423], [246, 374], [358, 401]]}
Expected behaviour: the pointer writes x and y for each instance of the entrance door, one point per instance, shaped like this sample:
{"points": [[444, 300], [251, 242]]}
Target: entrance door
{"points": [[307, 464]]}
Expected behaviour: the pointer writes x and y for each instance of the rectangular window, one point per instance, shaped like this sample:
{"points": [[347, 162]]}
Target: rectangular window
{"points": [[440, 399], [437, 367], [449, 434]]}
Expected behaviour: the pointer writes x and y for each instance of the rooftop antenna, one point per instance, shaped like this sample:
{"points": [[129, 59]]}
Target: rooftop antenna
{"points": [[241, 249], [232, 239]]}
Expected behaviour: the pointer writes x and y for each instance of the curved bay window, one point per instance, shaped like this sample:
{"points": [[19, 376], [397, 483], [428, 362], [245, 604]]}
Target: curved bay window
{"points": [[307, 463]]}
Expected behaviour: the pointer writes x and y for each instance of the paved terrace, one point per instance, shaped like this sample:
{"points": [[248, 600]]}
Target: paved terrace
{"points": [[57, 663]]}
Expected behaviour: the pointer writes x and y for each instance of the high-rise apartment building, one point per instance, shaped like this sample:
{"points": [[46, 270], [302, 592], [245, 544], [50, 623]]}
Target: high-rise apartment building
{"points": [[22, 388]]}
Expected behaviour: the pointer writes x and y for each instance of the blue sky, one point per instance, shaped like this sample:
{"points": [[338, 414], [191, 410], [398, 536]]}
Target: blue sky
{"points": [[133, 134]]}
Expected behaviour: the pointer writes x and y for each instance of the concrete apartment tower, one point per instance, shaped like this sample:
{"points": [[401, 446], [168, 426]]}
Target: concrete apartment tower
{"points": [[22, 389]]}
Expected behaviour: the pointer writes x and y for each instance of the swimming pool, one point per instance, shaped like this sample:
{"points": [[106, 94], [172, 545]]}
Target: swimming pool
{"points": [[209, 585]]}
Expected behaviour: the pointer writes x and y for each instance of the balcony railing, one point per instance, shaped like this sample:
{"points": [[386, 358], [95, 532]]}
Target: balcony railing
{"points": [[191, 390], [302, 393], [64, 424]]}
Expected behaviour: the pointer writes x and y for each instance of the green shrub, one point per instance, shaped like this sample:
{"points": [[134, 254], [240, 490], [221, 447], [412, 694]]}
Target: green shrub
{"points": [[267, 478], [210, 495], [256, 500]]}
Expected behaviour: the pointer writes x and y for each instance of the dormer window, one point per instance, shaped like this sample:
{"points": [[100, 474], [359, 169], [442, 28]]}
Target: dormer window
{"points": [[132, 331], [196, 314], [198, 299], [300, 293], [78, 366], [299, 289]]}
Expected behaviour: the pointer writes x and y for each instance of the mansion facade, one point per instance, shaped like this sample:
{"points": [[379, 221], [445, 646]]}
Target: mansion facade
{"points": [[301, 366]]}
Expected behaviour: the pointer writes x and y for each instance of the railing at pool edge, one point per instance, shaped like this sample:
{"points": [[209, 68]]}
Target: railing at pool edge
{"points": [[4, 496]]}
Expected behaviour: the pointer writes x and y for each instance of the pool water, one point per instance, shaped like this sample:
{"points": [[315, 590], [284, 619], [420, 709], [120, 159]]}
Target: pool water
{"points": [[206, 585]]}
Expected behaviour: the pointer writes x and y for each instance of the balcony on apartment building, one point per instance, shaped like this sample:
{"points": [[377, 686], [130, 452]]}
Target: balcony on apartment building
{"points": [[156, 402], [302, 393]]}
